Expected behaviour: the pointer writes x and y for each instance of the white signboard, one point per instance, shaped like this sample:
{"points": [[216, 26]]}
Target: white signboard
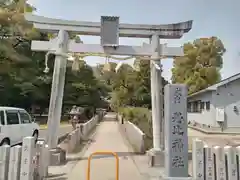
{"points": [[220, 114]]}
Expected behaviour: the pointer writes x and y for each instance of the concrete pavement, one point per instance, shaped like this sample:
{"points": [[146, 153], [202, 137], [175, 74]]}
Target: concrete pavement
{"points": [[215, 139], [107, 138]]}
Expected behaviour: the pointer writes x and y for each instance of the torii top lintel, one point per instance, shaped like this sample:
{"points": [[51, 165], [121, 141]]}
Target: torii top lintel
{"points": [[166, 31]]}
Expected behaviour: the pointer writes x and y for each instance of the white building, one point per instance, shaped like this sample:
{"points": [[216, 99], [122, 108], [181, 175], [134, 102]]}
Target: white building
{"points": [[217, 105]]}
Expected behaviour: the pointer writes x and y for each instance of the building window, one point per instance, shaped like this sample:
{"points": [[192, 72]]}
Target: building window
{"points": [[189, 107], [202, 105], [208, 105], [196, 106]]}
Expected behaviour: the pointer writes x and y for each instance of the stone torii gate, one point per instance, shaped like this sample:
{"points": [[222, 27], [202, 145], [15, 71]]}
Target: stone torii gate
{"points": [[110, 30]]}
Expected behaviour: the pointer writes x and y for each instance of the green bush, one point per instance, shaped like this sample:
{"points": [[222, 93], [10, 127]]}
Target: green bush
{"points": [[141, 117]]}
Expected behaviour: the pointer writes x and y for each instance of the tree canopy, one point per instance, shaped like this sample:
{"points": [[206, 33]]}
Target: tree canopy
{"points": [[22, 81], [128, 86], [201, 64]]}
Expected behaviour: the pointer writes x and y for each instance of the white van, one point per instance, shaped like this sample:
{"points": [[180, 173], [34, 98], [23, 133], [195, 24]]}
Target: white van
{"points": [[15, 124]]}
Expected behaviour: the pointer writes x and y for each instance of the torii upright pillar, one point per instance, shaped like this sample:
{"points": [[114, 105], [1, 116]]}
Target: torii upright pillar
{"points": [[156, 154], [58, 83], [156, 98]]}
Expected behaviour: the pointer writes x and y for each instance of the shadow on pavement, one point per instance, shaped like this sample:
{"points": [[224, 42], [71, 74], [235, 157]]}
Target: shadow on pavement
{"points": [[57, 176]]}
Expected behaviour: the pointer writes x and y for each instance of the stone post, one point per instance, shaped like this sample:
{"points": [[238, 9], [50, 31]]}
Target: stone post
{"points": [[27, 165], [45, 155], [176, 142], [14, 163], [238, 155], [230, 153], [71, 142], [74, 139], [4, 162], [78, 135], [220, 163], [43, 163], [209, 163], [198, 159]]}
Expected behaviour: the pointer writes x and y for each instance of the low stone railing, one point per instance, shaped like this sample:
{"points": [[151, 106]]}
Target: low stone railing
{"points": [[80, 133], [26, 162], [134, 135], [87, 127], [74, 139], [215, 162]]}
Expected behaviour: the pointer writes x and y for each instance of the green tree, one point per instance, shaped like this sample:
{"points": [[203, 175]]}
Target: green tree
{"points": [[124, 86], [19, 66], [200, 66], [142, 93], [82, 88], [132, 86], [15, 32], [22, 81], [106, 76]]}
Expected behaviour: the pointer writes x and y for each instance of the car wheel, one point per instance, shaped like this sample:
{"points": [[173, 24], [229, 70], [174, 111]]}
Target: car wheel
{"points": [[35, 135], [5, 142]]}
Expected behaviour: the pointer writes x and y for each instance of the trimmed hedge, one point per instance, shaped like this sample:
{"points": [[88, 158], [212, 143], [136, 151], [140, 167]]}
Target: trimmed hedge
{"points": [[141, 117]]}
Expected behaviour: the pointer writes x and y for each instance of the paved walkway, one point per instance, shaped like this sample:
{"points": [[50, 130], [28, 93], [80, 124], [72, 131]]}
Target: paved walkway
{"points": [[107, 138]]}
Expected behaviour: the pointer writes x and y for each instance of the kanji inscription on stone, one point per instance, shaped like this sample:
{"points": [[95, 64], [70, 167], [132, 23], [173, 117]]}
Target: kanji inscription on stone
{"points": [[175, 111]]}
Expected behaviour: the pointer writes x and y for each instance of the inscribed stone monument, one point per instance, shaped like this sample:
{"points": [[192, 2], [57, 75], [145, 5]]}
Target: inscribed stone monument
{"points": [[176, 149]]}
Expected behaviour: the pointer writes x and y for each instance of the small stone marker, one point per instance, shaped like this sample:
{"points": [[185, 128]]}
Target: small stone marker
{"points": [[43, 162], [176, 151], [14, 163], [27, 165], [209, 163], [75, 138], [230, 153], [4, 161], [71, 143], [238, 157], [220, 163], [198, 159]]}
